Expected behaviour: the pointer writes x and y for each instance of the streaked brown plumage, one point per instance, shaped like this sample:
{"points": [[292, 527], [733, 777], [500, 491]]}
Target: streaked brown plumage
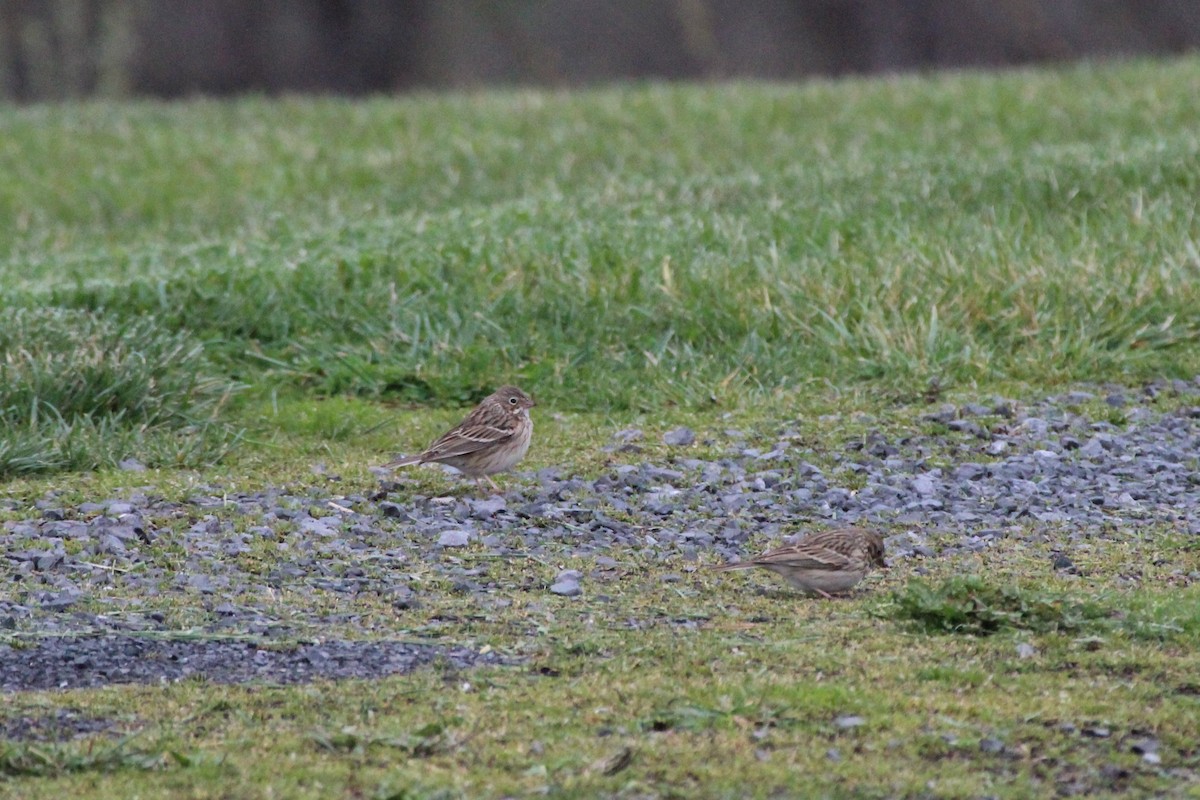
{"points": [[493, 438], [822, 563]]}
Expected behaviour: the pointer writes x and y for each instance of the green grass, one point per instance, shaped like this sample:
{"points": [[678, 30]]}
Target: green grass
{"points": [[972, 606], [336, 279], [629, 247], [79, 390]]}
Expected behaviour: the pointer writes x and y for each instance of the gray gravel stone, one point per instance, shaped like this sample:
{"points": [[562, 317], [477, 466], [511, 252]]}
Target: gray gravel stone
{"points": [[680, 437], [1144, 745], [924, 485], [489, 507], [991, 746], [628, 436], [455, 538], [566, 587]]}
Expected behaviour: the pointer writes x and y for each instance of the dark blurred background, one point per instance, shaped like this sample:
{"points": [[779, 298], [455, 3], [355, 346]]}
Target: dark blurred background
{"points": [[166, 48]]}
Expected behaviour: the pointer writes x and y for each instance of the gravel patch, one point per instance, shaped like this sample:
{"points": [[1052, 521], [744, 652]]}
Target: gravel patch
{"points": [[59, 725], [974, 473], [86, 662]]}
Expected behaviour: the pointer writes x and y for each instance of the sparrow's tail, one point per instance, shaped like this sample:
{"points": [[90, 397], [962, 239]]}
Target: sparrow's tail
{"points": [[403, 461], [734, 565]]}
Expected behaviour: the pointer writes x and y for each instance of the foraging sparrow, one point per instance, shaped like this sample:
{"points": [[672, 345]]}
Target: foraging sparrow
{"points": [[493, 438], [824, 562]]}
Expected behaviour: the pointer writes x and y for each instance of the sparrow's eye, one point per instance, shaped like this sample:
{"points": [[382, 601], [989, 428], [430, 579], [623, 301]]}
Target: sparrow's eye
{"points": [[512, 401]]}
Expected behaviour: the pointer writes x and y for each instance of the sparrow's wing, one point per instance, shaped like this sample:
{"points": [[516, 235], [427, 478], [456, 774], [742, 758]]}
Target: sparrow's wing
{"points": [[467, 439], [847, 541], [805, 555]]}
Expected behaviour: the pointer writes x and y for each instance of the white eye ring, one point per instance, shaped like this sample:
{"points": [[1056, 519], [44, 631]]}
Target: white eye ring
{"points": [[512, 401]]}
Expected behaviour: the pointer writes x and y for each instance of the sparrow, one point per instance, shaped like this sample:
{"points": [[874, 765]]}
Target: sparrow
{"points": [[822, 563], [493, 438]]}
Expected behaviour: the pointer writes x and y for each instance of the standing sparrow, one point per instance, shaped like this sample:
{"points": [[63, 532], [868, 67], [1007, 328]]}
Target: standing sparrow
{"points": [[821, 563], [493, 438]]}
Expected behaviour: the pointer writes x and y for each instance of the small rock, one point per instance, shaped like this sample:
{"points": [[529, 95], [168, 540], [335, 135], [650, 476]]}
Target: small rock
{"points": [[455, 538], [1036, 427], [966, 426], [945, 413], [1004, 408], [201, 583], [393, 510], [924, 485], [991, 745], [1097, 732], [970, 472], [316, 527], [61, 601], [566, 588], [1061, 562], [1116, 400], [47, 560], [680, 437], [131, 465], [110, 545], [488, 507], [849, 721], [629, 435], [1026, 650]]}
